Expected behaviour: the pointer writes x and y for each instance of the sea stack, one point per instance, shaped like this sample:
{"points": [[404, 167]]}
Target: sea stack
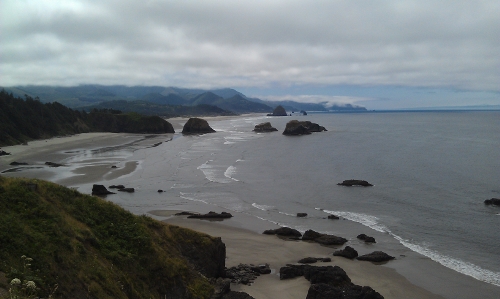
{"points": [[278, 111], [197, 126], [264, 128]]}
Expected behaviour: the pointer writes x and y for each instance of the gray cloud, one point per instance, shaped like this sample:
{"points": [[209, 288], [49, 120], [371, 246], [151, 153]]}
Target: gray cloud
{"points": [[446, 44]]}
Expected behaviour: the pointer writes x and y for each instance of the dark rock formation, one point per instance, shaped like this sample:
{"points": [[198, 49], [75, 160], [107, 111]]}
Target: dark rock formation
{"points": [[197, 126], [330, 240], [114, 166], [291, 271], [493, 201], [100, 190], [347, 252], [160, 191], [221, 286], [376, 256], [246, 274], [264, 128], [129, 190], [323, 239], [301, 214], [350, 183], [116, 187], [52, 164], [295, 127], [211, 215], [4, 153], [303, 112], [312, 260], [366, 238], [335, 217], [328, 282], [236, 295], [18, 163], [211, 261], [278, 111], [283, 231], [186, 214], [311, 235], [326, 291]]}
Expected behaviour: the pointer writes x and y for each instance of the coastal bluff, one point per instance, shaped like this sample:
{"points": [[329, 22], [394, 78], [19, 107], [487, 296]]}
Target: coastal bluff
{"points": [[92, 248]]}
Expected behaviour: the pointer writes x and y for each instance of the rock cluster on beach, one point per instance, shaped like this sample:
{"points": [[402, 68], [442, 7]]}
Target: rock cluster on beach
{"points": [[4, 153], [347, 252], [376, 256], [323, 239], [295, 127], [328, 282], [197, 126], [366, 238], [246, 274], [264, 128]]}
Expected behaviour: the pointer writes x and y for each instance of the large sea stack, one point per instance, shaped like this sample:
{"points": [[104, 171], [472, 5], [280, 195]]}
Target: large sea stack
{"points": [[295, 127], [197, 126], [278, 111], [264, 128]]}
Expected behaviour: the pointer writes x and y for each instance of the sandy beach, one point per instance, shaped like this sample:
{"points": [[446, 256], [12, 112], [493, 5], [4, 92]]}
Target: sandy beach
{"points": [[247, 247]]}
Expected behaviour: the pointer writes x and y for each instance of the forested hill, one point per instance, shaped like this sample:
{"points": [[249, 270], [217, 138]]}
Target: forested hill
{"points": [[24, 120]]}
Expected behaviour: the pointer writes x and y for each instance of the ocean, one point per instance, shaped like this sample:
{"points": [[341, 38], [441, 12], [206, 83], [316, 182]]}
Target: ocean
{"points": [[431, 173]]}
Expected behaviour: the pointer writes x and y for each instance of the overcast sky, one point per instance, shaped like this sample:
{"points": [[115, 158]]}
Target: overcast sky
{"points": [[379, 54]]}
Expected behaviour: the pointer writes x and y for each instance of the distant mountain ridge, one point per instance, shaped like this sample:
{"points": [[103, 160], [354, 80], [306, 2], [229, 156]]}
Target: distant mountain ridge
{"points": [[224, 98]]}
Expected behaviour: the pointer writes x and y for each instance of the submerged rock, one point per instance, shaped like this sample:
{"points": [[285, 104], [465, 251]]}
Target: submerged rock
{"points": [[335, 217], [52, 164], [18, 163], [350, 183], [129, 190], [493, 201], [197, 126], [301, 214], [116, 187]]}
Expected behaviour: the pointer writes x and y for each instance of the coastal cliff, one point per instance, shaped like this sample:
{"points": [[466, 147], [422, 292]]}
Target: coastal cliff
{"points": [[82, 246]]}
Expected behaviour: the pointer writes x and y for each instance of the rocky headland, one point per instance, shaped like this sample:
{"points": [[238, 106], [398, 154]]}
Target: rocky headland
{"points": [[197, 126]]}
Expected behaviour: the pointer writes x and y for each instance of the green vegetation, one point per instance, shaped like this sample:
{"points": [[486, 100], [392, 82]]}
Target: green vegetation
{"points": [[24, 120], [149, 108], [85, 247]]}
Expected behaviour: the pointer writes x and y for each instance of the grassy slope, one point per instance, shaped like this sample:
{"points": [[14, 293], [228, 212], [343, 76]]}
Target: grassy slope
{"points": [[92, 248]]}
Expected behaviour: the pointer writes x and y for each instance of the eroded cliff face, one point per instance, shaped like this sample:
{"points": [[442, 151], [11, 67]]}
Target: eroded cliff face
{"points": [[207, 254]]}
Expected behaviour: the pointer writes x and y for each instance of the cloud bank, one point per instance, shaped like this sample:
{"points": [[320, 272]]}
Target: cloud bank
{"points": [[211, 44]]}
